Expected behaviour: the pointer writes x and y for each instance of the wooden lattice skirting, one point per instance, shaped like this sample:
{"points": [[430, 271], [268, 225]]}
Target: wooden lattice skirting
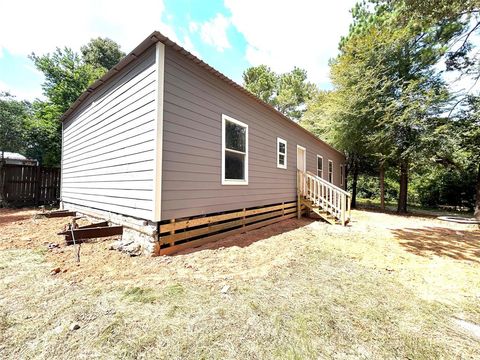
{"points": [[180, 234]]}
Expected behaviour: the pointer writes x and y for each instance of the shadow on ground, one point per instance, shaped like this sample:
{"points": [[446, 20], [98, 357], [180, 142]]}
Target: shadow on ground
{"points": [[456, 244], [7, 218], [244, 240]]}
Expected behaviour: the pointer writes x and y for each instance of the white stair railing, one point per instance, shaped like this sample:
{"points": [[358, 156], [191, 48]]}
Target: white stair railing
{"points": [[328, 197]]}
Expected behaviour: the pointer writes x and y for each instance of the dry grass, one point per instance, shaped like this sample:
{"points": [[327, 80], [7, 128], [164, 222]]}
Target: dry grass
{"points": [[385, 287]]}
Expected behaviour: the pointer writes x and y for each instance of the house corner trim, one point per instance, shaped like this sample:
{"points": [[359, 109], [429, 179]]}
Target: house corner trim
{"points": [[157, 190]]}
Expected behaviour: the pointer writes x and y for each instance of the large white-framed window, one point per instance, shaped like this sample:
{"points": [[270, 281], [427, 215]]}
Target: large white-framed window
{"points": [[320, 166], [234, 151], [330, 171], [342, 174], [281, 153]]}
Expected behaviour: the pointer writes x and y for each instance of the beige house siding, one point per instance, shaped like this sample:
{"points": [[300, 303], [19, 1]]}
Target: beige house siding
{"points": [[194, 101], [108, 149]]}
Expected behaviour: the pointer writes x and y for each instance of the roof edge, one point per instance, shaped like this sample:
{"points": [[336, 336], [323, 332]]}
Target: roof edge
{"points": [[152, 39]]}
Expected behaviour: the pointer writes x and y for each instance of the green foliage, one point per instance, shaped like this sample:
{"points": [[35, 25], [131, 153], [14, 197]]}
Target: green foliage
{"points": [[316, 118], [388, 96], [44, 134], [445, 186], [293, 92], [288, 92], [368, 188], [67, 76], [12, 123], [102, 53], [261, 81]]}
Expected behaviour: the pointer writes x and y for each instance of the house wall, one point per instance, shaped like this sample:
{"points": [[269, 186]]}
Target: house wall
{"points": [[108, 149], [194, 101]]}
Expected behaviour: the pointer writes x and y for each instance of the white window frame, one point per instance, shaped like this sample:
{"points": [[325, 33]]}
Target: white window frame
{"points": [[321, 157], [342, 174], [330, 162], [234, 181], [281, 141]]}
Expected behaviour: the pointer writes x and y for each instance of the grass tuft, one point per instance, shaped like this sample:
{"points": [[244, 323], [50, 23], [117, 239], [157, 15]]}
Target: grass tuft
{"points": [[141, 295], [175, 290]]}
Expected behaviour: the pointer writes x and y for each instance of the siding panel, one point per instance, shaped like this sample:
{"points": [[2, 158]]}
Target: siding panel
{"points": [[194, 102], [108, 144]]}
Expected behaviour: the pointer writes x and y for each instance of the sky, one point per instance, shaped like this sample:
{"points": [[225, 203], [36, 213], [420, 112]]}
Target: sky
{"points": [[229, 35]]}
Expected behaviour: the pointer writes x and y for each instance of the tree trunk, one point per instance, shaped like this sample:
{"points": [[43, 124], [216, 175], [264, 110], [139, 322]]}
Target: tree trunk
{"points": [[477, 196], [354, 186], [382, 186], [402, 197]]}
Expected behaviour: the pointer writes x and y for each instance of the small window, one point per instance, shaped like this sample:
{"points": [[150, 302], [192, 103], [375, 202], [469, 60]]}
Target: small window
{"points": [[330, 171], [281, 153], [234, 152], [342, 175], [320, 166]]}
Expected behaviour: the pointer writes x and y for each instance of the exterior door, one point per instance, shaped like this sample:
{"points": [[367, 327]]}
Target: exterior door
{"points": [[301, 158]]}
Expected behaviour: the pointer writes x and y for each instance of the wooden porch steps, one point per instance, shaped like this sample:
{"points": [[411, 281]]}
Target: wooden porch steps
{"points": [[328, 201], [323, 214]]}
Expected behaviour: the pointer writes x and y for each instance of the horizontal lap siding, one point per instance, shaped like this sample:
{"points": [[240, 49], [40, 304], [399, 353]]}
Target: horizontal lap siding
{"points": [[194, 101], [108, 149]]}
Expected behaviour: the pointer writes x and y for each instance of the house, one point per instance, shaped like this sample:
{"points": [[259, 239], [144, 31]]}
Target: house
{"points": [[11, 158], [179, 154]]}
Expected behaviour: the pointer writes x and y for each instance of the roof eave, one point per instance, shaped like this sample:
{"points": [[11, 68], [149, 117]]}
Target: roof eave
{"points": [[155, 37]]}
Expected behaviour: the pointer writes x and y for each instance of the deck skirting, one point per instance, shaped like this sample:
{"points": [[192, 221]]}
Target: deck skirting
{"points": [[180, 234]]}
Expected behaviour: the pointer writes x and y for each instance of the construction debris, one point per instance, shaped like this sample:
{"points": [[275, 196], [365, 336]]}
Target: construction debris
{"points": [[58, 213], [127, 246], [98, 230]]}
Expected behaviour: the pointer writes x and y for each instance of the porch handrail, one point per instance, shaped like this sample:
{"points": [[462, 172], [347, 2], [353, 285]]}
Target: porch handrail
{"points": [[326, 196], [329, 184]]}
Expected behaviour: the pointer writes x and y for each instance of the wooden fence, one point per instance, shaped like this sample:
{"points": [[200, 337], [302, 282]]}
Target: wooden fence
{"points": [[25, 185]]}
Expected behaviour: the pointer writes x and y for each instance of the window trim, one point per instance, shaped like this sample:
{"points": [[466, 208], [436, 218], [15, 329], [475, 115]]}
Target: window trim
{"points": [[342, 174], [321, 157], [330, 162], [281, 141], [234, 181]]}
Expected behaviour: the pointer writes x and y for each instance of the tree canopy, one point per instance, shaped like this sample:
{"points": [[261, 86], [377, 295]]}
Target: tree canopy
{"points": [[67, 75], [389, 102], [102, 53], [13, 114], [287, 92]]}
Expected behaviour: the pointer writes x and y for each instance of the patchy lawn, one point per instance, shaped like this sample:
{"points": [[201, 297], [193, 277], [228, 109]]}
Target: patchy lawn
{"points": [[384, 287]]}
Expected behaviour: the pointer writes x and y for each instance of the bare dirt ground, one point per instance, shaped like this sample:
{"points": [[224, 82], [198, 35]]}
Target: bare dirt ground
{"points": [[385, 286]]}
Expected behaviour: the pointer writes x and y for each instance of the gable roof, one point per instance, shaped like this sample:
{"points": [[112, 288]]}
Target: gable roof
{"points": [[158, 37]]}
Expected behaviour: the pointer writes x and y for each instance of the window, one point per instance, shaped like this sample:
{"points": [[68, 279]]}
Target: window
{"points": [[234, 152], [320, 166], [330, 171], [341, 175], [281, 153]]}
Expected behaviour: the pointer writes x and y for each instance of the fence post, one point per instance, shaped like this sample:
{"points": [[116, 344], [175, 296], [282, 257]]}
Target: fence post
{"points": [[38, 182]]}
